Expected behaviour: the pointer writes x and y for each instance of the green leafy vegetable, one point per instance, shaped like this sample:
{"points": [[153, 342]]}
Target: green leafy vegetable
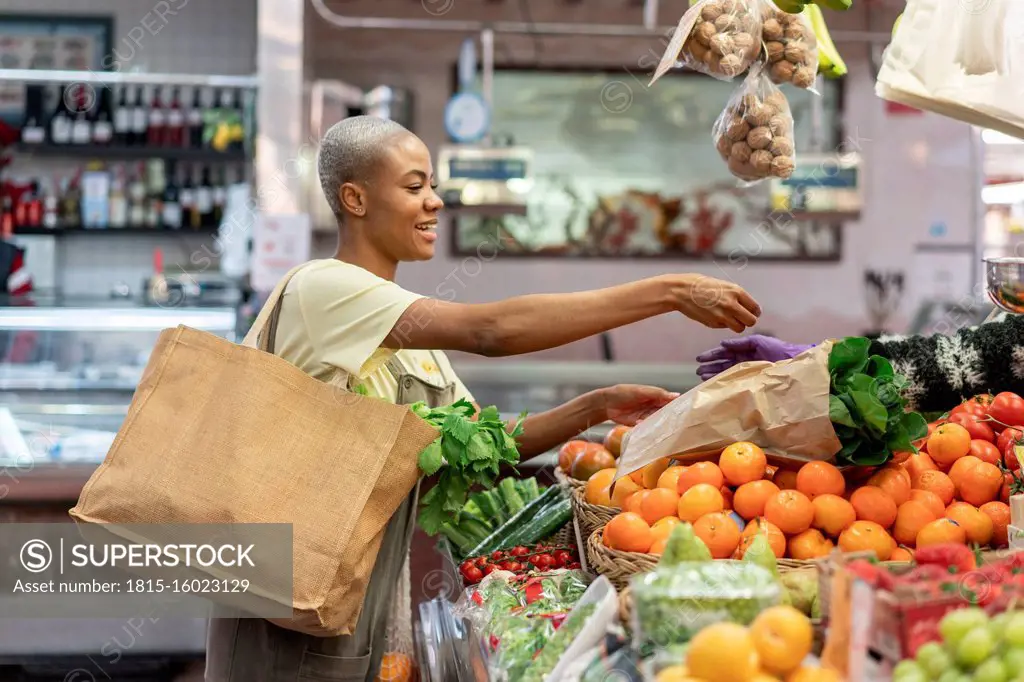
{"points": [[866, 405], [473, 450]]}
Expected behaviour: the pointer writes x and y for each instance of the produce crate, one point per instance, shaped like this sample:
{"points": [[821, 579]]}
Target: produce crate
{"points": [[615, 565], [590, 517], [567, 482]]}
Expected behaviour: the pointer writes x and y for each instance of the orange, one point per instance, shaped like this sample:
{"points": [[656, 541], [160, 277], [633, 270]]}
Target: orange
{"points": [[873, 504], [810, 544], [597, 490], [719, 533], [976, 481], [790, 510], [670, 478], [590, 462], [658, 504], [832, 514], [396, 667], [977, 525], [699, 500], [727, 496], [820, 478], [938, 483], [808, 674], [941, 531], [663, 528], [658, 546], [948, 443], [901, 469], [568, 452], [624, 487], [723, 652], [701, 472], [653, 471], [633, 502], [867, 536], [749, 499], [931, 500], [910, 519], [742, 463], [627, 532], [776, 540], [785, 479], [893, 483], [783, 638], [613, 439], [918, 464], [999, 513], [901, 554]]}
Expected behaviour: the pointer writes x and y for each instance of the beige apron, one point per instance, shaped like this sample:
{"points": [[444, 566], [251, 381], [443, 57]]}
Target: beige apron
{"points": [[254, 650]]}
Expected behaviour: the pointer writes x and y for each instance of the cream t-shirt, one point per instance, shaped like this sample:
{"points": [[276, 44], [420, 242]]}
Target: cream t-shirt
{"points": [[335, 316]]}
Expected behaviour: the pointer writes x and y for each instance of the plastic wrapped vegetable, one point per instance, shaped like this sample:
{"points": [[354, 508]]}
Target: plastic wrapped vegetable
{"points": [[790, 47], [754, 134], [720, 38]]}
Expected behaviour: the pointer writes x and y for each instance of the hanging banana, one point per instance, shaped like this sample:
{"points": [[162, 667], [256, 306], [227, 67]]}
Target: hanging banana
{"points": [[791, 6], [835, 5], [830, 63], [897, 24]]}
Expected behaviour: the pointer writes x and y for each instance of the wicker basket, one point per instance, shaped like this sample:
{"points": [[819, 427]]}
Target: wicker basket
{"points": [[617, 566], [569, 483], [564, 536], [591, 517]]}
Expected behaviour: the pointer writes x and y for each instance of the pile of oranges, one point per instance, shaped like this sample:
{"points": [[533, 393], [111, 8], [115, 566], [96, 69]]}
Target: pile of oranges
{"points": [[944, 494]]}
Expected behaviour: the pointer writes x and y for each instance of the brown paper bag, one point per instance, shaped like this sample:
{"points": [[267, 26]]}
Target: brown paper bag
{"points": [[221, 433], [781, 407]]}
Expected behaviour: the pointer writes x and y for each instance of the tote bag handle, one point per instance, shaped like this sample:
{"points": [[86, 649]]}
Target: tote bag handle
{"points": [[269, 315]]}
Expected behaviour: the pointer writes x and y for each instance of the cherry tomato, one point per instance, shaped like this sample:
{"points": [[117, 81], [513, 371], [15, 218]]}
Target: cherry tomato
{"points": [[1009, 435], [562, 558], [518, 551], [1010, 456], [472, 574], [1007, 408], [497, 556], [978, 405], [489, 568], [978, 429], [514, 566], [985, 451], [481, 562], [468, 563], [543, 561], [573, 565]]}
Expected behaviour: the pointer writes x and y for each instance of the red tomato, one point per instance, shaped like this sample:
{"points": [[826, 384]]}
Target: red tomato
{"points": [[977, 405], [472, 574], [986, 451], [1010, 456], [978, 429], [1009, 435], [1007, 408]]}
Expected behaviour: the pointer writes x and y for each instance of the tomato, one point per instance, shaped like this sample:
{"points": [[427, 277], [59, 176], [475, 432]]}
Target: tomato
{"points": [[472, 574], [468, 563], [978, 429], [1010, 456], [977, 406], [515, 567], [562, 558], [573, 565], [1006, 409], [543, 561], [1012, 434], [481, 562], [498, 556], [985, 451], [518, 551], [489, 568]]}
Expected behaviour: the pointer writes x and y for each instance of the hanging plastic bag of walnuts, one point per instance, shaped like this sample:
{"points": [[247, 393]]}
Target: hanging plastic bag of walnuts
{"points": [[754, 134], [790, 46], [720, 38]]}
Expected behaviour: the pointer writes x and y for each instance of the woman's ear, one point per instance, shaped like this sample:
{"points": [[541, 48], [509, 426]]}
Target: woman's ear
{"points": [[353, 198]]}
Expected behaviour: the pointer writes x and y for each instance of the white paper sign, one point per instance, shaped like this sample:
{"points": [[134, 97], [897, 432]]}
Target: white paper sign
{"points": [[280, 242]]}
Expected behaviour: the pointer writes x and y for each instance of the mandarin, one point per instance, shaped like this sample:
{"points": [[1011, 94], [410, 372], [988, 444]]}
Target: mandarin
{"points": [[832, 514], [910, 519], [810, 544], [700, 472], [749, 499], [999, 513], [785, 479], [820, 478], [633, 502], [776, 539], [948, 443], [742, 463], [902, 554], [658, 504], [931, 500], [670, 478], [938, 483], [627, 532], [918, 464], [699, 500], [719, 533], [624, 487], [598, 491], [893, 483], [790, 510], [651, 473], [977, 526], [975, 480], [874, 504], [941, 531], [663, 527], [867, 536]]}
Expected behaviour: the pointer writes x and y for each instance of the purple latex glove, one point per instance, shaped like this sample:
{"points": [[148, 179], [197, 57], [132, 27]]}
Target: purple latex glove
{"points": [[734, 351]]}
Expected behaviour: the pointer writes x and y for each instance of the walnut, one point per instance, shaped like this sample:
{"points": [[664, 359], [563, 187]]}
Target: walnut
{"points": [[794, 30], [740, 151], [742, 169], [704, 32], [772, 29], [759, 115], [737, 130], [729, 6], [759, 138], [713, 62], [804, 77], [781, 146], [777, 101], [731, 65], [749, 101], [697, 51], [795, 52], [779, 125], [743, 44], [761, 160], [721, 43], [782, 72], [782, 166], [774, 50], [711, 11], [724, 147], [726, 23]]}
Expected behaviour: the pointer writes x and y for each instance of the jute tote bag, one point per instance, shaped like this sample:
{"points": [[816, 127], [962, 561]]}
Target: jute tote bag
{"points": [[221, 433]]}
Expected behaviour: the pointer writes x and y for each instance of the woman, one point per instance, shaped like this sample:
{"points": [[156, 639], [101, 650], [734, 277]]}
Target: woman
{"points": [[941, 370], [345, 321]]}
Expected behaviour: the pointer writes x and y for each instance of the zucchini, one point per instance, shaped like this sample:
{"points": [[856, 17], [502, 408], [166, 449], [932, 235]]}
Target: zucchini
{"points": [[473, 528], [532, 489], [487, 507], [492, 541], [459, 539], [498, 505], [513, 501], [549, 520]]}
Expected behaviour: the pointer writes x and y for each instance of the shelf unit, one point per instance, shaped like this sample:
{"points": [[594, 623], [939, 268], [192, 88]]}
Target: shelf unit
{"points": [[109, 231], [93, 152]]}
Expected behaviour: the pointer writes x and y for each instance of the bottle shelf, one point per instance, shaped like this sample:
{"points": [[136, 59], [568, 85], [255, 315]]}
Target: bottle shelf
{"points": [[131, 229], [96, 152]]}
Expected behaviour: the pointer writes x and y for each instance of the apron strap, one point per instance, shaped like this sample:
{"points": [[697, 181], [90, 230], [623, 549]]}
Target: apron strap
{"points": [[269, 315]]}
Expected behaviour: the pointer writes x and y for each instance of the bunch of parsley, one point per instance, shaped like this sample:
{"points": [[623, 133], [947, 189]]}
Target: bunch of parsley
{"points": [[867, 407], [473, 450]]}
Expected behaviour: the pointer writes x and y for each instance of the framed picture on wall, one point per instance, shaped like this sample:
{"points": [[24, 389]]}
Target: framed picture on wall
{"points": [[626, 170], [72, 43]]}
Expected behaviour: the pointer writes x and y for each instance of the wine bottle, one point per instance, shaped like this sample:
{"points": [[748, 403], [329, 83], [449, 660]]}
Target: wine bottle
{"points": [[60, 124], [118, 199], [140, 118], [35, 205], [188, 200], [51, 206], [204, 199], [137, 198], [81, 128], [220, 196], [195, 120], [172, 200], [71, 203], [157, 121], [174, 133], [123, 119], [102, 128], [32, 130]]}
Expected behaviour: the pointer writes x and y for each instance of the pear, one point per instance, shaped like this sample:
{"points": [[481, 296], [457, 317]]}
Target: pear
{"points": [[683, 545], [760, 553]]}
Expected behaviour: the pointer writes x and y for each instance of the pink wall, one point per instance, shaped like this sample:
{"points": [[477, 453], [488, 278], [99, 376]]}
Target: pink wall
{"points": [[917, 173]]}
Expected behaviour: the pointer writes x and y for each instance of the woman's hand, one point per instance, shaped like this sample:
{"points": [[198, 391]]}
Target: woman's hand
{"points": [[715, 303], [629, 403]]}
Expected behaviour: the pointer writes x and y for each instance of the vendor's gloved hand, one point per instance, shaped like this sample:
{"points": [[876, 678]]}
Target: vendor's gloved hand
{"points": [[734, 351]]}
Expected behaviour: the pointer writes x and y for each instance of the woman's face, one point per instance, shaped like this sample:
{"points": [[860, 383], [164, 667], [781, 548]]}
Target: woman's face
{"points": [[402, 207]]}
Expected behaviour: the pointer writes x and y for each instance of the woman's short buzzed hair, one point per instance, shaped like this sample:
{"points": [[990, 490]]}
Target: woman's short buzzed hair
{"points": [[349, 152]]}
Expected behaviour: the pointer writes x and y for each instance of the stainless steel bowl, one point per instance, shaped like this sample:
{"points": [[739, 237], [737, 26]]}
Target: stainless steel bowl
{"points": [[1004, 280]]}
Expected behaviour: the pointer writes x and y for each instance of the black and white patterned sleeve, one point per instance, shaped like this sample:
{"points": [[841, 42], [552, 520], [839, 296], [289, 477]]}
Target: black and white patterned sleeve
{"points": [[944, 370]]}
